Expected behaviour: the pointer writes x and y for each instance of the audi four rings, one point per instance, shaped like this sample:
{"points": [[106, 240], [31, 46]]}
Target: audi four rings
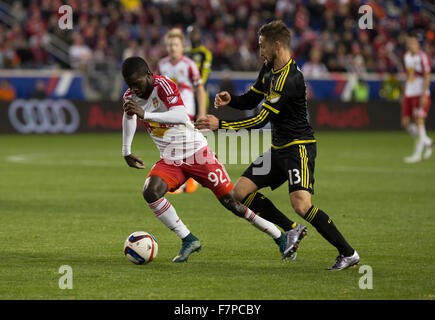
{"points": [[44, 116]]}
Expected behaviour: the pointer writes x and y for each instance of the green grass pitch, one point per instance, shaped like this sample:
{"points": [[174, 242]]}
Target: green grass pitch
{"points": [[71, 200]]}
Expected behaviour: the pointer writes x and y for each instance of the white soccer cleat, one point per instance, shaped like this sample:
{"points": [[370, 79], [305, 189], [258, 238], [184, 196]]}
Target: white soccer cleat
{"points": [[343, 262], [412, 159], [428, 152]]}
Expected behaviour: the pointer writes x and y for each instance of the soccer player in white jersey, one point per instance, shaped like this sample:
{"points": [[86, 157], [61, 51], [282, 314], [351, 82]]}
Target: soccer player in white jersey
{"points": [[183, 150], [185, 73], [416, 103]]}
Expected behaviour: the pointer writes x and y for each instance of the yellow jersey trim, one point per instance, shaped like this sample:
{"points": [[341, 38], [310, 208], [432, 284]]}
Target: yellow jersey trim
{"points": [[257, 91], [287, 64], [246, 123], [293, 143], [270, 108]]}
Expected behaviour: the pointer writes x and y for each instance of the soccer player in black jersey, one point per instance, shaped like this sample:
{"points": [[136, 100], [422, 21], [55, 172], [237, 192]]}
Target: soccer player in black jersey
{"points": [[199, 53], [280, 87]]}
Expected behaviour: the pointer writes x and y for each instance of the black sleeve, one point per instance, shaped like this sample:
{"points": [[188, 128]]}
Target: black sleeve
{"points": [[253, 97], [271, 107], [255, 122]]}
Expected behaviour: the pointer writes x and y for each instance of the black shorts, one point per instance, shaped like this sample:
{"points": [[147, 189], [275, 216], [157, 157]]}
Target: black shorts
{"points": [[294, 164]]}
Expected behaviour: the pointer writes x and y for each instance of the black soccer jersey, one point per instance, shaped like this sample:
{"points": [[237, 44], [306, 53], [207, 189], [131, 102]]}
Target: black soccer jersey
{"points": [[283, 93], [203, 58]]}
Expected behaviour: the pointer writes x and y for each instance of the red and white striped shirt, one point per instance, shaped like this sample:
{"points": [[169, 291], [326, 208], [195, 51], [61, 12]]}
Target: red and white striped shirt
{"points": [[186, 75], [174, 141], [416, 65]]}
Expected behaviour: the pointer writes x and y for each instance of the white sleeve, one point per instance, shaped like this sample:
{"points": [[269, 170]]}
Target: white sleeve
{"points": [[175, 115], [128, 130]]}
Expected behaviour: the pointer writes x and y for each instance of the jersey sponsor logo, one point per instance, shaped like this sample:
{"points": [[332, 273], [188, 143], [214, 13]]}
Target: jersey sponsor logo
{"points": [[157, 129], [44, 116], [159, 132], [273, 97]]}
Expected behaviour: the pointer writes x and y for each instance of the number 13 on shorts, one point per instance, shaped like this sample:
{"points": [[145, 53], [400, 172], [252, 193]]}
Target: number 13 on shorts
{"points": [[294, 176]]}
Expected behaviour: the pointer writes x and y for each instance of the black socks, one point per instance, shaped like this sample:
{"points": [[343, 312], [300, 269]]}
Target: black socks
{"points": [[324, 225], [267, 210]]}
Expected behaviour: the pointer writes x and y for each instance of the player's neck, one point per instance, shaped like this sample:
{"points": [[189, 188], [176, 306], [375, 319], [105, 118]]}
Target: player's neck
{"points": [[175, 59], [150, 81], [281, 60]]}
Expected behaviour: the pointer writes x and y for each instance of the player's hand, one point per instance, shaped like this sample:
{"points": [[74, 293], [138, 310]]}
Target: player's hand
{"points": [[207, 122], [222, 99], [132, 107], [134, 161]]}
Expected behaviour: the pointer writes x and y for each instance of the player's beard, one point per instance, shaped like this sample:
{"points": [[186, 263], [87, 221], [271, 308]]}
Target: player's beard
{"points": [[270, 62]]}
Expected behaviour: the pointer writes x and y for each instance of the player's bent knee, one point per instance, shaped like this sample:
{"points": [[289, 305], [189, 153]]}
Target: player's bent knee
{"points": [[301, 207], [150, 194], [406, 122], [154, 189], [301, 201], [242, 188], [238, 194]]}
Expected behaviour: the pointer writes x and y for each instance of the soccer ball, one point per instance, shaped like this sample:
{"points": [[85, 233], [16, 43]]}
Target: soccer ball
{"points": [[140, 247]]}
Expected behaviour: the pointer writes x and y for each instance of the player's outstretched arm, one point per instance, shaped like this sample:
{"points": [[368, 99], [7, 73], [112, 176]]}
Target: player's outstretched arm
{"points": [[212, 123], [207, 122]]}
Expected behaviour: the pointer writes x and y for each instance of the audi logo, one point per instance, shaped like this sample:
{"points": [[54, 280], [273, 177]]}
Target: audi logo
{"points": [[44, 116]]}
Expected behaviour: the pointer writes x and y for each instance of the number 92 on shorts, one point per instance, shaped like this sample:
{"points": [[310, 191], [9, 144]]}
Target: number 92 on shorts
{"points": [[203, 166]]}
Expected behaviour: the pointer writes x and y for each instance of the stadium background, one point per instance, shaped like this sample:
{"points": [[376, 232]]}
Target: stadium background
{"points": [[353, 80], [340, 61]]}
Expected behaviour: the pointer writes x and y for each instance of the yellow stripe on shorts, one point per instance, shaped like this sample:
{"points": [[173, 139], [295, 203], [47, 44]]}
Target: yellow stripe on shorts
{"points": [[305, 174]]}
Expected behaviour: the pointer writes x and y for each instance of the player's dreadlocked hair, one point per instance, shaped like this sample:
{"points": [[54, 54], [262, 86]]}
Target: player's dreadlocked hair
{"points": [[276, 31], [134, 64]]}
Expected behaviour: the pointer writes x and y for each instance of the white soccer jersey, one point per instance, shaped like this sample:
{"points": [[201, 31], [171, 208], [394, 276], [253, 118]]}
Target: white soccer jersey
{"points": [[174, 141], [186, 75], [416, 66]]}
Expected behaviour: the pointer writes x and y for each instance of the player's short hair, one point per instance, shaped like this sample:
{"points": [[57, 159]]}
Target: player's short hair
{"points": [[276, 31], [134, 64], [175, 33]]}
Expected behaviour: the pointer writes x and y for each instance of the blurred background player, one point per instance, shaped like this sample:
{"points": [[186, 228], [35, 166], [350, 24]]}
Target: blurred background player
{"points": [[156, 100], [185, 73], [416, 102], [201, 55]]}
